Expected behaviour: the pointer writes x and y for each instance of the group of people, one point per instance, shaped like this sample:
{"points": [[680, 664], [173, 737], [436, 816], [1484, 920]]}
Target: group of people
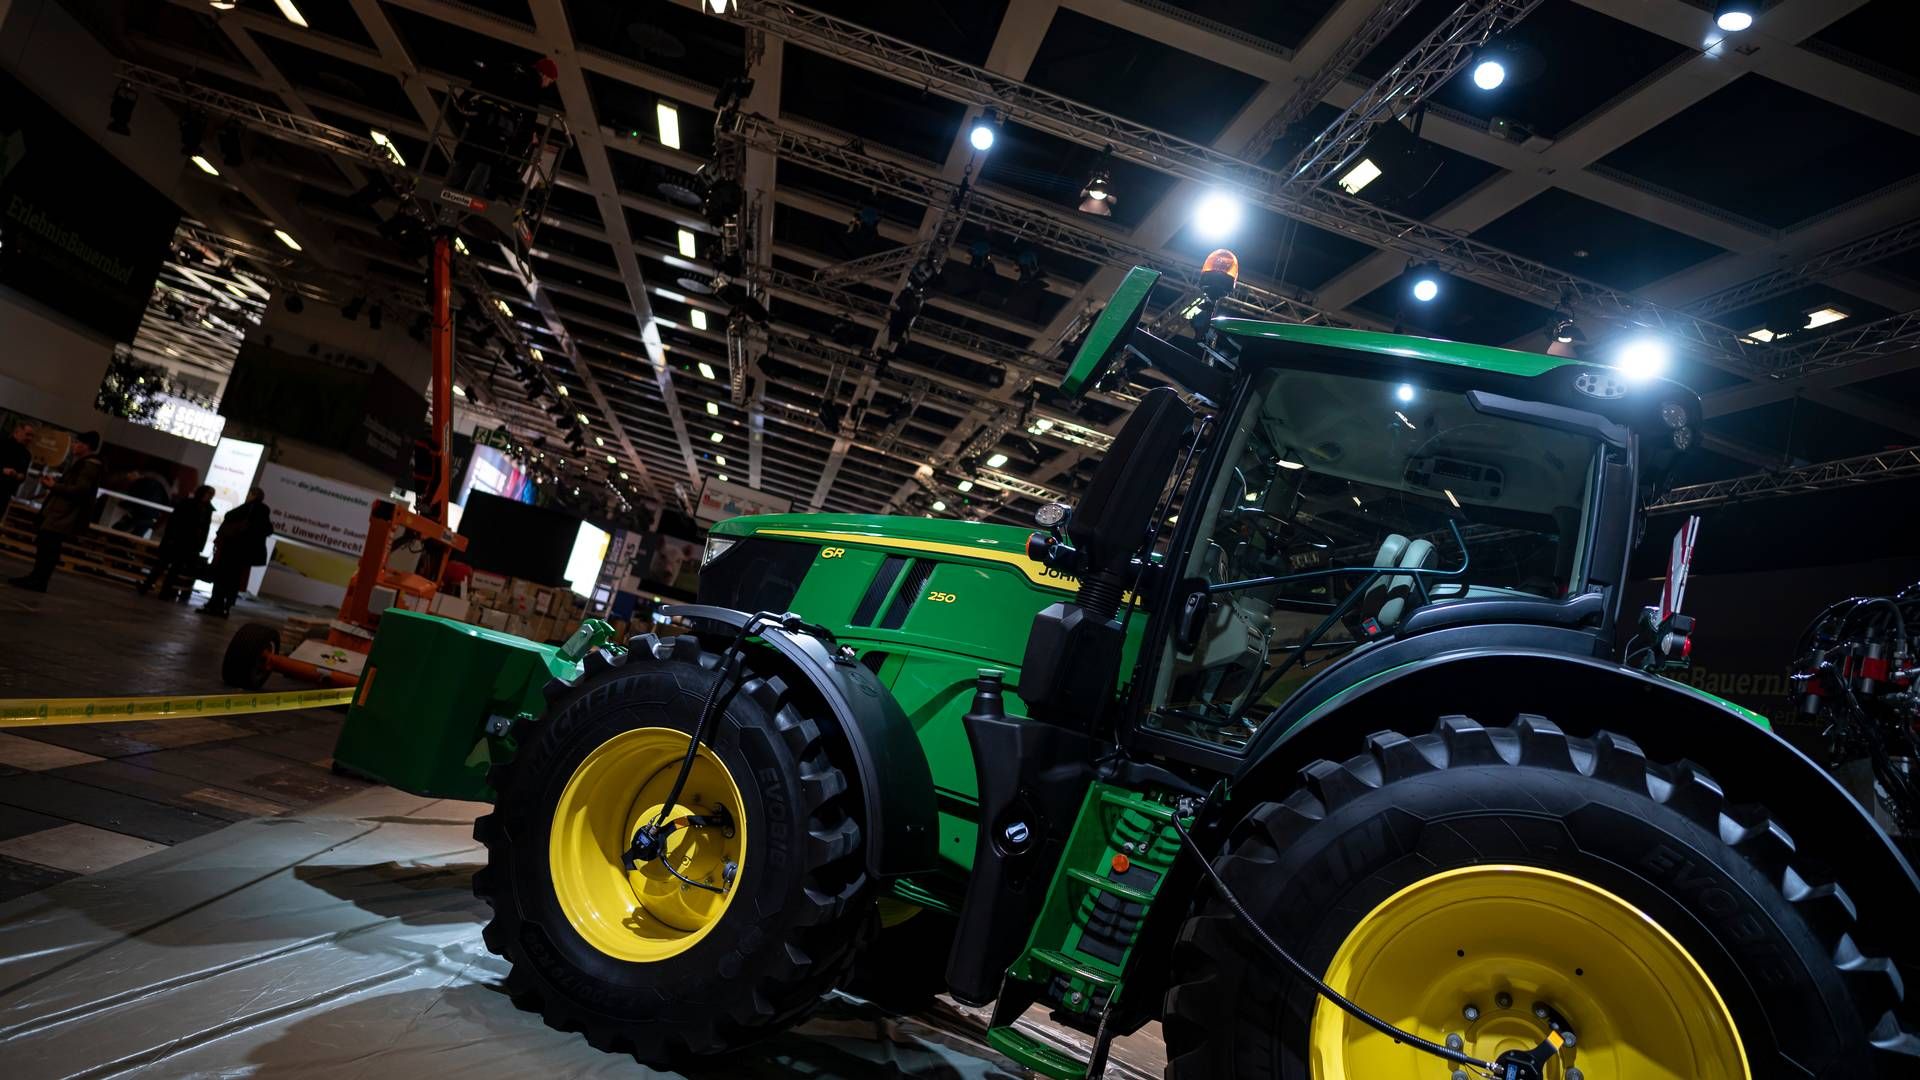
{"points": [[67, 509]]}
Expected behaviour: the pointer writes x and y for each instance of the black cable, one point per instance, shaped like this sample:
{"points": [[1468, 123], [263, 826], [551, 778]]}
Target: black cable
{"points": [[1445, 1053]]}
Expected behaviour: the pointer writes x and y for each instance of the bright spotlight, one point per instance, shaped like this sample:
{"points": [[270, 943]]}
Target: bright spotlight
{"points": [[982, 134], [1425, 289], [1403, 393], [1733, 16], [1643, 358], [1216, 216], [1489, 74]]}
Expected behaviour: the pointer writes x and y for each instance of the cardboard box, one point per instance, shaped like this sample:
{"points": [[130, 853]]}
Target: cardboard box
{"points": [[483, 581], [543, 627], [545, 602], [450, 606], [493, 618], [519, 626]]}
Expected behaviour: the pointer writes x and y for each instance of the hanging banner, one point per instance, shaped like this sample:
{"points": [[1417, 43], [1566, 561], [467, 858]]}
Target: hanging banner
{"points": [[720, 500], [318, 511]]}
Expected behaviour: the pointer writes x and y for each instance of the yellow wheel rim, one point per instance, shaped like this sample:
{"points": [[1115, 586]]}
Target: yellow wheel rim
{"points": [[1639, 1006], [644, 915]]}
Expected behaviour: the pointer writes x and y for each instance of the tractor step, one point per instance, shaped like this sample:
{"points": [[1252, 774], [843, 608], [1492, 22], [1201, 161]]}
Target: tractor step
{"points": [[1043, 1058]]}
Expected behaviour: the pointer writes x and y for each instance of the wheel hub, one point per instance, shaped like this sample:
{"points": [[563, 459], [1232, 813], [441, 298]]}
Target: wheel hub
{"points": [[601, 826], [1487, 959]]}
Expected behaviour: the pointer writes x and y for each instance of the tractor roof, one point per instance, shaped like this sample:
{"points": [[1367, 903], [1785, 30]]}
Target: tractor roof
{"points": [[1433, 350]]}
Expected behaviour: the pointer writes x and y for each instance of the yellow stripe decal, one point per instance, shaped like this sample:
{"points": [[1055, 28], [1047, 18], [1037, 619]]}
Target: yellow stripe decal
{"points": [[31, 712], [1035, 572]]}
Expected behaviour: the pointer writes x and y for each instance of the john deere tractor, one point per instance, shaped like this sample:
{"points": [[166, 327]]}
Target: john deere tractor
{"points": [[1304, 732]]}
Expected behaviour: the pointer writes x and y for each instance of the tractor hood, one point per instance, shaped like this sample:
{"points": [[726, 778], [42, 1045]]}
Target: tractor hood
{"points": [[974, 535]]}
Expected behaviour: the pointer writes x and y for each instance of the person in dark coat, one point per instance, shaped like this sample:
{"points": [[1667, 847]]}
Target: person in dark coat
{"points": [[66, 511], [239, 546], [16, 457], [180, 543]]}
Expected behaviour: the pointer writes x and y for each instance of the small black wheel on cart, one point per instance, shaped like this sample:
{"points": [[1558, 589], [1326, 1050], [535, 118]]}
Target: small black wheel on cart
{"points": [[245, 665]]}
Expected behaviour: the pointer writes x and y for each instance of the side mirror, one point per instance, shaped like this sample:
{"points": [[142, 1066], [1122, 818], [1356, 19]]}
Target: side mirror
{"points": [[1112, 519], [1106, 342]]}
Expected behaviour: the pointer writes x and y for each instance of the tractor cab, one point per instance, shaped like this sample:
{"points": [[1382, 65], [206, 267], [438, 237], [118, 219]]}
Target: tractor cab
{"points": [[1338, 490]]}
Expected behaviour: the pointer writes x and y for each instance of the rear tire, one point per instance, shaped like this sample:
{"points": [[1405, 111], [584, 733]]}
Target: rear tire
{"points": [[799, 908], [1723, 880], [245, 663]]}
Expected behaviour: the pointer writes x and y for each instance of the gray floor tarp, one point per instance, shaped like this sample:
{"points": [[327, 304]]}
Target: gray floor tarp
{"points": [[345, 942]]}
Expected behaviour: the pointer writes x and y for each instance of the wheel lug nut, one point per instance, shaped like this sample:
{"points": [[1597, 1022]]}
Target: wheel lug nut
{"points": [[1540, 1011], [1503, 999], [1454, 1042], [1575, 1074], [1459, 1074], [1471, 1012]]}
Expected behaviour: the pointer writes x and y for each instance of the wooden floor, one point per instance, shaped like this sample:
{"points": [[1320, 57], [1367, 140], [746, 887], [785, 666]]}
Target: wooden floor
{"points": [[78, 799]]}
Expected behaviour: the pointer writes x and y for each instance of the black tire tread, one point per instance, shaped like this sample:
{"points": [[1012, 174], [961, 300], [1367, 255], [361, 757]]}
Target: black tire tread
{"points": [[1195, 1003], [813, 962]]}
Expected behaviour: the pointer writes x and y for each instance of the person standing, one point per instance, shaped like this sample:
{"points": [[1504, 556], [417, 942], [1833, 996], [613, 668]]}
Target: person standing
{"points": [[15, 458], [180, 542], [239, 546], [66, 511]]}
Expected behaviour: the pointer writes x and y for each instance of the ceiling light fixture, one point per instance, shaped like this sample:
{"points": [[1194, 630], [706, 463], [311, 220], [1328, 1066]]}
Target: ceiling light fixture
{"points": [[1426, 286], [965, 485], [1362, 174], [1216, 216], [1403, 393], [205, 165], [381, 140], [719, 459], [459, 391], [939, 505], [561, 389], [688, 249], [722, 477], [1450, 497], [287, 239], [713, 409], [1824, 316], [292, 13], [699, 319], [583, 419], [996, 461], [668, 118], [706, 370], [1733, 16], [717, 437], [1489, 74], [982, 134]]}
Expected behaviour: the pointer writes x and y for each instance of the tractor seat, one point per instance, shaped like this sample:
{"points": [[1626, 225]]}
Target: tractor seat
{"points": [[1387, 599]]}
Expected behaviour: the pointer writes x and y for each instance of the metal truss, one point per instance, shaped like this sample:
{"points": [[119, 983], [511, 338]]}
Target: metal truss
{"points": [[1316, 87], [852, 162], [278, 122], [1009, 482], [877, 265], [1438, 57], [1452, 252], [1898, 464], [1827, 264], [1843, 348]]}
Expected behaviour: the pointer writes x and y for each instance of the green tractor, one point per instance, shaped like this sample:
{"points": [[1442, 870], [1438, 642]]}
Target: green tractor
{"points": [[1305, 734]]}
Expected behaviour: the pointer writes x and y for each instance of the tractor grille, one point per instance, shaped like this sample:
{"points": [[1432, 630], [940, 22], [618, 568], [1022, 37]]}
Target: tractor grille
{"points": [[910, 592], [877, 590]]}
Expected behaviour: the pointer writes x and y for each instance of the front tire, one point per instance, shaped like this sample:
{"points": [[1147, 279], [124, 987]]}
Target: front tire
{"points": [[1472, 862], [636, 961]]}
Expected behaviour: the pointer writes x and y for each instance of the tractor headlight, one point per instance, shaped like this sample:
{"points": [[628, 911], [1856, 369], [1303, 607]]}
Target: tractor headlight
{"points": [[1682, 438], [1674, 413], [716, 547]]}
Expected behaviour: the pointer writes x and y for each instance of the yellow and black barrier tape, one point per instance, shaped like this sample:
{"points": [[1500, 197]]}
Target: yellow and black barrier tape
{"points": [[29, 712]]}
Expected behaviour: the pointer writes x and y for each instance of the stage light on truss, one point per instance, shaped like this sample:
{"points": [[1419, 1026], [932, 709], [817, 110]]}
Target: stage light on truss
{"points": [[1426, 286], [1217, 215], [1489, 74], [981, 137]]}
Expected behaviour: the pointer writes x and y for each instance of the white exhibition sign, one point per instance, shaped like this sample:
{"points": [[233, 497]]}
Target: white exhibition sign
{"points": [[230, 474], [318, 511], [720, 500]]}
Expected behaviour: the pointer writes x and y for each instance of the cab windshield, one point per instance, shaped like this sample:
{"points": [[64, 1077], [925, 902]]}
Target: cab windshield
{"points": [[1327, 483]]}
